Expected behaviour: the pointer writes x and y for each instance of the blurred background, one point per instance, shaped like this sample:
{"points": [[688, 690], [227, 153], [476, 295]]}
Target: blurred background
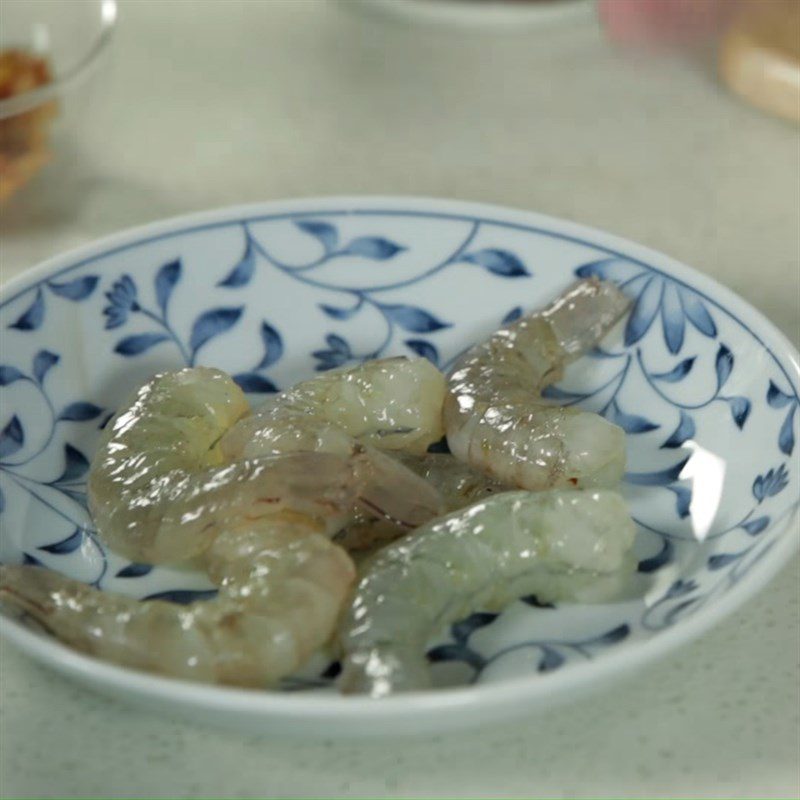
{"points": [[670, 122], [617, 118]]}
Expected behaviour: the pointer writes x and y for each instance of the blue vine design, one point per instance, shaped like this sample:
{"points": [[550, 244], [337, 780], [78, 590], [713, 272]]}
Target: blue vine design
{"points": [[409, 318]]}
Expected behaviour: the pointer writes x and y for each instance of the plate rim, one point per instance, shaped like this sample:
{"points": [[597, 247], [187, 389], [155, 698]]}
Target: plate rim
{"points": [[510, 697]]}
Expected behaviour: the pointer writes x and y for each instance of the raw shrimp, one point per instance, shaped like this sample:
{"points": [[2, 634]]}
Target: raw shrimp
{"points": [[555, 544], [459, 485], [161, 488], [392, 404], [155, 486], [495, 418], [281, 588], [281, 582]]}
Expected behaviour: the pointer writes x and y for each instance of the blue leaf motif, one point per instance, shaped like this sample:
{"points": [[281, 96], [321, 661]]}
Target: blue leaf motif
{"points": [[456, 652], [139, 343], [446, 652], [183, 596], [550, 660], [79, 289], [786, 433], [374, 248], [740, 410], [533, 600], [29, 560], [613, 636], [672, 318], [135, 570], [273, 345], [697, 313], [326, 233], [464, 628], [338, 344], [723, 365], [80, 412], [424, 349], [771, 483], [677, 373], [338, 354], [644, 311], [32, 318], [166, 278], [658, 478], [42, 362], [339, 313], [630, 423], [12, 437], [253, 383], [720, 560], [211, 324], [683, 500], [776, 398], [243, 272], [660, 559], [686, 430], [122, 300], [76, 465], [9, 375], [413, 319], [617, 270], [68, 545], [512, 315], [755, 526], [498, 262], [554, 393], [680, 588]]}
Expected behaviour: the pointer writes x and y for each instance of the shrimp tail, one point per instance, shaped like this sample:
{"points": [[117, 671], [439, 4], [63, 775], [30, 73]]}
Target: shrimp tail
{"points": [[581, 316], [393, 492]]}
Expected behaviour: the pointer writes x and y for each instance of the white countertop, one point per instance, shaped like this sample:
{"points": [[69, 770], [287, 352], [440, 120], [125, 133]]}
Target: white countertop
{"points": [[211, 103]]}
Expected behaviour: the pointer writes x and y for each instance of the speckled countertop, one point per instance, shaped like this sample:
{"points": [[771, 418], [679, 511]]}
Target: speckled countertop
{"points": [[211, 103]]}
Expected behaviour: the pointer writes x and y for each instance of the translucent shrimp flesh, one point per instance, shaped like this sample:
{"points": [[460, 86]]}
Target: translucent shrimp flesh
{"points": [[496, 419], [281, 589], [393, 404], [555, 544], [458, 484], [161, 488]]}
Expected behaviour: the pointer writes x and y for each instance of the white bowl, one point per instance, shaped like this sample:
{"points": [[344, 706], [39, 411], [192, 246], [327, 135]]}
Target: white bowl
{"points": [[704, 385]]}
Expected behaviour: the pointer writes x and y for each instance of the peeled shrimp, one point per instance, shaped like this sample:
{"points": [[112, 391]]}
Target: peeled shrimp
{"points": [[392, 404], [280, 593], [161, 488], [458, 484], [495, 418], [555, 544], [158, 484]]}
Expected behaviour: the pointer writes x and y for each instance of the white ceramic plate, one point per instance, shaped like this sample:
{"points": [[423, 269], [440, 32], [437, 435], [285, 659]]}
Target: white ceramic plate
{"points": [[704, 385]]}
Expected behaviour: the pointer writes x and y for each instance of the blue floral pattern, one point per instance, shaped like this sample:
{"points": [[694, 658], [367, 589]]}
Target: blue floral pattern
{"points": [[281, 295]]}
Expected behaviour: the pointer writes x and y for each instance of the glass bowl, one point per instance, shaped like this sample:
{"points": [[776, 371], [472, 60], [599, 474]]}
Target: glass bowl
{"points": [[50, 51]]}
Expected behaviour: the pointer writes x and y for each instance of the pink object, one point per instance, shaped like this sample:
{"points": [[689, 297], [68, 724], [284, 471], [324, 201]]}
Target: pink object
{"points": [[653, 22]]}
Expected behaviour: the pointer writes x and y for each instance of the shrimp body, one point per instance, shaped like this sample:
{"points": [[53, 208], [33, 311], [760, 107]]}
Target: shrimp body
{"points": [[157, 481], [392, 404], [457, 483], [495, 418], [161, 488], [282, 583], [551, 543], [281, 588]]}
